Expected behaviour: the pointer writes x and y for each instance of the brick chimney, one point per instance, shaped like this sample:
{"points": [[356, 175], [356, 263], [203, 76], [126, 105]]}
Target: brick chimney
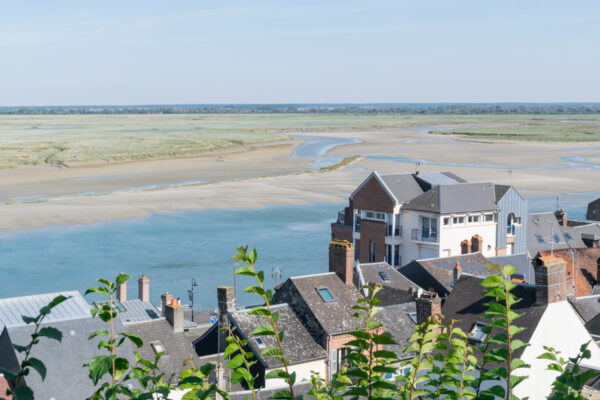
{"points": [[174, 315], [427, 305], [457, 272], [465, 247], [165, 299], [341, 260], [122, 291], [476, 244], [561, 217], [226, 302], [550, 279], [144, 288]]}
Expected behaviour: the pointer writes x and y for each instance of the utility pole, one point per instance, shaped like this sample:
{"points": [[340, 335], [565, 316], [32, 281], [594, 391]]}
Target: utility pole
{"points": [[191, 295], [235, 265]]}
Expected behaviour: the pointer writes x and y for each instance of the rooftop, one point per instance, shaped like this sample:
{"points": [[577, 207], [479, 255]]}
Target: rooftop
{"points": [[456, 198], [396, 287]]}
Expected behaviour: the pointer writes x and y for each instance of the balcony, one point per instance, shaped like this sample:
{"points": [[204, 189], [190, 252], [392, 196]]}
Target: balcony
{"points": [[429, 236]]}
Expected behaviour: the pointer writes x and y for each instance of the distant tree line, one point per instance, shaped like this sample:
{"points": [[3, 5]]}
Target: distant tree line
{"points": [[359, 109]]}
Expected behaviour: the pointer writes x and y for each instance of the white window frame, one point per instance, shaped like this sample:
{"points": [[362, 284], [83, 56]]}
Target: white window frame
{"points": [[374, 215]]}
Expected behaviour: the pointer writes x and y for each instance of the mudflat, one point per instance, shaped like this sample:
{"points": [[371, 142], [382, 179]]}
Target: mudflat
{"points": [[269, 172]]}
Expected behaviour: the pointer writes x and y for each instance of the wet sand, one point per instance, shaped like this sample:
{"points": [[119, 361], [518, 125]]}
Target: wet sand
{"points": [[34, 197]]}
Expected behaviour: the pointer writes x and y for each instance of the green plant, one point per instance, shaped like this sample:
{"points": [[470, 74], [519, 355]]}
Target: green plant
{"points": [[22, 392], [569, 384]]}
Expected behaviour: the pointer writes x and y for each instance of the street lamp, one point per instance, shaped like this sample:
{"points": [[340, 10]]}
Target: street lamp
{"points": [[191, 295]]}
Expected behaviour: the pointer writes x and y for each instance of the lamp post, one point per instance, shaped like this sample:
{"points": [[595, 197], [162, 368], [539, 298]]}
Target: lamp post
{"points": [[191, 294]]}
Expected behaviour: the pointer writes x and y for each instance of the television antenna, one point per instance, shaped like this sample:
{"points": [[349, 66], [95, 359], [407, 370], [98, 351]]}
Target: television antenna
{"points": [[276, 273]]}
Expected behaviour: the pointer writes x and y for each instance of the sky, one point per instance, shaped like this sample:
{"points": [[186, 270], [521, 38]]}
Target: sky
{"points": [[199, 52]]}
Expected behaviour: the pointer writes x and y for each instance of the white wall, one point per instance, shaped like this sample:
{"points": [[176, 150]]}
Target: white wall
{"points": [[303, 372], [560, 327], [451, 235], [410, 250]]}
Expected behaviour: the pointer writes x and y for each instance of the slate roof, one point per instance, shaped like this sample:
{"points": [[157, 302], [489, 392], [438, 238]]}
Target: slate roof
{"points": [[300, 389], [463, 197], [466, 305], [438, 273], [66, 378], [138, 311], [588, 308], [298, 344], [396, 320], [334, 316], [403, 186], [11, 309], [398, 289], [438, 178], [541, 231], [177, 347], [500, 191], [520, 262]]}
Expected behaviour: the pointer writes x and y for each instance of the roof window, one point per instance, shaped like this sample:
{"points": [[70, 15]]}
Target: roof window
{"points": [[568, 236], [539, 238], [158, 347], [478, 333], [556, 238], [116, 305], [413, 316], [384, 276], [325, 294], [261, 344]]}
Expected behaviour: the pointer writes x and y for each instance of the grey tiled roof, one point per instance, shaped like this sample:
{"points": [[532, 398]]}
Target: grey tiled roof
{"points": [[403, 186], [466, 305], [501, 191], [138, 311], [542, 231], [439, 178], [396, 320], [587, 306], [520, 262], [463, 197], [67, 378], [334, 316], [298, 344], [11, 309], [398, 289], [438, 273], [177, 347]]}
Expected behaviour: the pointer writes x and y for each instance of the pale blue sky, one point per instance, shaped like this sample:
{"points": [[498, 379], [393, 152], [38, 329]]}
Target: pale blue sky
{"points": [[160, 52]]}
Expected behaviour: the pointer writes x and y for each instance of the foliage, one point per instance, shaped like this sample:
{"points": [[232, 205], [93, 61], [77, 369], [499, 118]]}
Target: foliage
{"points": [[23, 392], [569, 384]]}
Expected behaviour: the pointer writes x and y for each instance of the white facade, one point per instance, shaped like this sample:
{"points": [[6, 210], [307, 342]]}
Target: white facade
{"points": [[561, 328], [303, 372]]}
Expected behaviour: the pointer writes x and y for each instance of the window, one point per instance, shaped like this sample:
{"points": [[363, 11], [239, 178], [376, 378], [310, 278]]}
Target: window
{"points": [[157, 347], [568, 236], [458, 220], [539, 238], [371, 251], [388, 253], [341, 357], [397, 255], [446, 221], [556, 238], [325, 294], [384, 276], [489, 217], [429, 227], [470, 219], [261, 344], [511, 222], [478, 333], [475, 218], [413, 316], [378, 216]]}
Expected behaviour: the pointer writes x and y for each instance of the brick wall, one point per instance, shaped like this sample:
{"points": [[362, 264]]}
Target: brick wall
{"points": [[372, 231], [341, 232], [339, 341], [582, 262], [372, 196]]}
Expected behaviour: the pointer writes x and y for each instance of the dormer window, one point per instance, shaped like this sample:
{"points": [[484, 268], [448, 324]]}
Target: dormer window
{"points": [[384, 276], [325, 294], [477, 333]]}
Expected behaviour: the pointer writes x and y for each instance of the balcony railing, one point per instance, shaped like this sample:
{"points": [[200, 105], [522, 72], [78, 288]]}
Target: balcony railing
{"points": [[397, 232], [418, 235]]}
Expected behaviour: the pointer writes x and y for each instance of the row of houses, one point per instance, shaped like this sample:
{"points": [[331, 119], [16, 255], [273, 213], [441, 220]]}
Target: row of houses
{"points": [[425, 238]]}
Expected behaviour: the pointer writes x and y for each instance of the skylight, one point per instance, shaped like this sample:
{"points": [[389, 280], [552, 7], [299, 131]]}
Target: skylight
{"points": [[260, 343], [477, 333], [116, 305], [413, 316], [539, 238], [556, 238], [325, 294], [384, 276], [158, 347], [568, 236]]}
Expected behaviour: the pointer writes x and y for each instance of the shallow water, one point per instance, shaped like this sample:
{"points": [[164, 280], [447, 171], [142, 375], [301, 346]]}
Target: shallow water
{"points": [[317, 147], [172, 249]]}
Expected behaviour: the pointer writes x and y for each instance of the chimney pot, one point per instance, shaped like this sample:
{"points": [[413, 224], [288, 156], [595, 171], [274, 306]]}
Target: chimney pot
{"points": [[476, 244], [465, 247], [165, 299], [174, 315], [144, 288]]}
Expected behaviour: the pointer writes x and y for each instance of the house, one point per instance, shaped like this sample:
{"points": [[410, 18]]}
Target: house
{"points": [[403, 217], [545, 314], [395, 287], [593, 210]]}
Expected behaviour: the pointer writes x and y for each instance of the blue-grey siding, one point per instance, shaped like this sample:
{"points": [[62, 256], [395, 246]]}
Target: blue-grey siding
{"points": [[513, 202]]}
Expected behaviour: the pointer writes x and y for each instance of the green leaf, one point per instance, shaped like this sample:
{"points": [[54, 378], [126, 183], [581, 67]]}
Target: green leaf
{"points": [[515, 380], [276, 374], [252, 257], [260, 310], [101, 290], [56, 301], [275, 316], [272, 351], [51, 333], [122, 278], [98, 367], [23, 393], [30, 320], [255, 290], [263, 330], [36, 364], [133, 338], [384, 338], [283, 394], [492, 281], [235, 361], [245, 271], [230, 349]]}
